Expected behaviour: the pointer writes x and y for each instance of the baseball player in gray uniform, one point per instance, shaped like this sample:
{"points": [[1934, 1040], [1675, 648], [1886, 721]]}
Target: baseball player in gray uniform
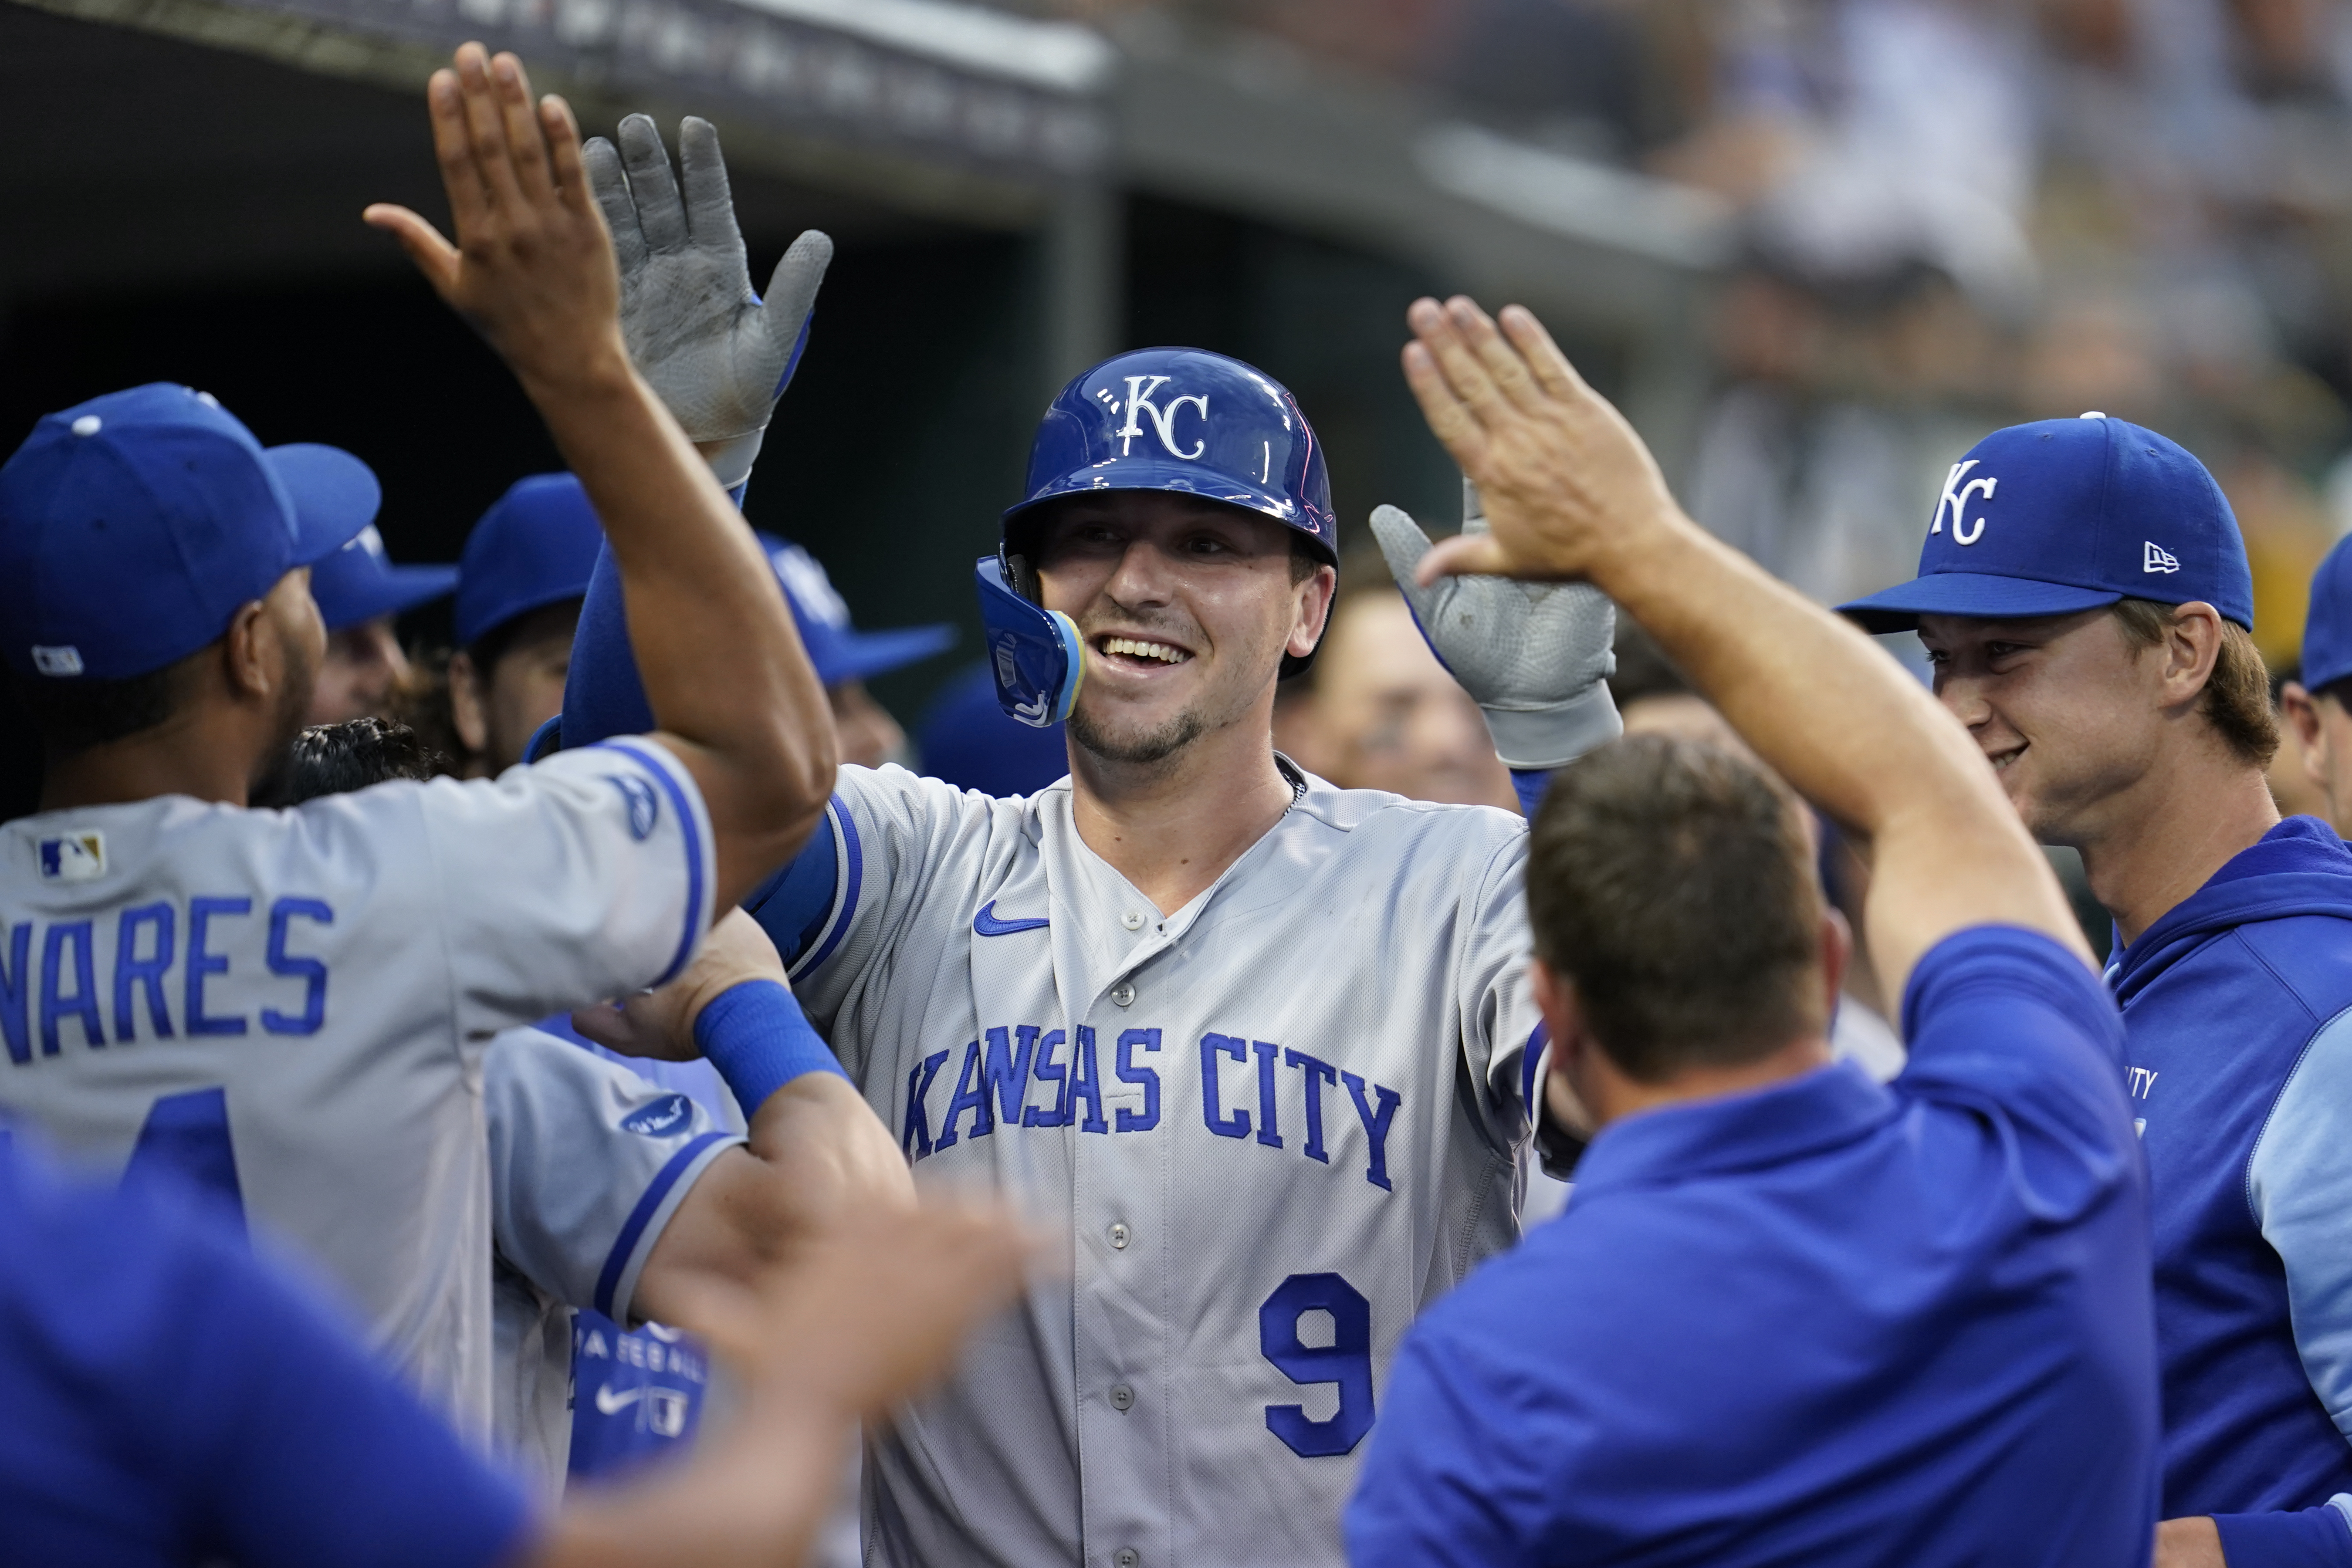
{"points": [[1260, 1047], [292, 1006], [610, 1191]]}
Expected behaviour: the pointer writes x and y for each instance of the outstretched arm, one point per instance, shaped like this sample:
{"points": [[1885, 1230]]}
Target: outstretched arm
{"points": [[1571, 494], [532, 269]]}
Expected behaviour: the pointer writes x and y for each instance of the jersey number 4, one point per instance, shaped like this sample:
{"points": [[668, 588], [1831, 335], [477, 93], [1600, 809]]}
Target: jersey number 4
{"points": [[1347, 1362], [185, 1140]]}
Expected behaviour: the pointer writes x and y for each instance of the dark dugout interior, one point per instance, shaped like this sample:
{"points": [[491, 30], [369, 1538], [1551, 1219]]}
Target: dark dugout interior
{"points": [[187, 214]]}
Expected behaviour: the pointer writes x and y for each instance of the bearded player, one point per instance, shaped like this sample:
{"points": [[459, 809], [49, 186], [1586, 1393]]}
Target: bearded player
{"points": [[1260, 1046]]}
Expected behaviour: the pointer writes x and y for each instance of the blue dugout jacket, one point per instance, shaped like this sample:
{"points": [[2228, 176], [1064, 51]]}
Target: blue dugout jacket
{"points": [[172, 1400], [1831, 1322], [2238, 1024]]}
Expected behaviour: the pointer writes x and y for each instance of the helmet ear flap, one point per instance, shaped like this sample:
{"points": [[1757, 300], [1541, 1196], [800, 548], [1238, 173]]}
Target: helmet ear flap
{"points": [[1035, 654]]}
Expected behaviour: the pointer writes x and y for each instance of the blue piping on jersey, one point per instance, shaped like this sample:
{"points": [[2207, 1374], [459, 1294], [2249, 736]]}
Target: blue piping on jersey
{"points": [[857, 862], [642, 1216], [1537, 1041], [693, 858]]}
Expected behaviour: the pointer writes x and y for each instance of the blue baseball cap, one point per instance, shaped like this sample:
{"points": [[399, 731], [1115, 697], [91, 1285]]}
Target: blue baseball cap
{"points": [[535, 547], [835, 646], [2328, 629], [134, 526], [2064, 514], [359, 582]]}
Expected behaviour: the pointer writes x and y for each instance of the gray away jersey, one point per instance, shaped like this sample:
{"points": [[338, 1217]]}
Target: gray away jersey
{"points": [[1276, 1121], [588, 1162], [291, 1006]]}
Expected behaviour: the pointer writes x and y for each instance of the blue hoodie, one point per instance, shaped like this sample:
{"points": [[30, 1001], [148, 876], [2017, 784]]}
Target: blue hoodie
{"points": [[2238, 1023]]}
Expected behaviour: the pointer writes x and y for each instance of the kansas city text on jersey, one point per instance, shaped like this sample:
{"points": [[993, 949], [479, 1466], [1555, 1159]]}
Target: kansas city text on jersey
{"points": [[1025, 1076]]}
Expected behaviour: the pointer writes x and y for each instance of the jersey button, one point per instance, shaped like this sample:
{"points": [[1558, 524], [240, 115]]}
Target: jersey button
{"points": [[1122, 1398], [1118, 1235], [1126, 1557], [1123, 994], [1132, 920]]}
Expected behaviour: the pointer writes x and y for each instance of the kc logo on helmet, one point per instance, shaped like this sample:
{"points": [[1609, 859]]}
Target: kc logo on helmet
{"points": [[1957, 502], [1138, 403]]}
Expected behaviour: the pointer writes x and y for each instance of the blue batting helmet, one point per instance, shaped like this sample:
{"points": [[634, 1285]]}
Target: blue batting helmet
{"points": [[1182, 420], [1188, 420]]}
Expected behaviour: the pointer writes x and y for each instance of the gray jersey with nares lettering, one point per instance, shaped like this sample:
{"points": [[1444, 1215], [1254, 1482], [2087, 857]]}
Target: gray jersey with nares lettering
{"points": [[291, 1006], [588, 1162], [1276, 1123]]}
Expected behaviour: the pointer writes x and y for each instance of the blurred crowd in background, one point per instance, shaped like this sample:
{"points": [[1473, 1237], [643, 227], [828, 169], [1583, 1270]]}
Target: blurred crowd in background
{"points": [[1954, 215]]}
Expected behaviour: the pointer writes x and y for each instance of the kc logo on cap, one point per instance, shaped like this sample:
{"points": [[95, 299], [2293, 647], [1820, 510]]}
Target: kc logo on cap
{"points": [[1956, 503], [2056, 518]]}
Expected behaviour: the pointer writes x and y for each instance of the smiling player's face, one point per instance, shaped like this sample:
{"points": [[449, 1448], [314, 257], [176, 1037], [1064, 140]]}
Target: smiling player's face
{"points": [[1186, 607], [2063, 707]]}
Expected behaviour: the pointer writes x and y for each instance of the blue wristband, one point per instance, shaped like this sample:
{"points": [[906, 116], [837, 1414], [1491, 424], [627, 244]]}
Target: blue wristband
{"points": [[756, 1037]]}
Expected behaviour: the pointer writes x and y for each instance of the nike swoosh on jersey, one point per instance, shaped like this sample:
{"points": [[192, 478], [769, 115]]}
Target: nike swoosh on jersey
{"points": [[988, 925], [608, 1404]]}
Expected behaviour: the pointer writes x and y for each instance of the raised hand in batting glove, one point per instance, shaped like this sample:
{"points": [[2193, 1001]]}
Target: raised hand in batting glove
{"points": [[715, 353], [1536, 656]]}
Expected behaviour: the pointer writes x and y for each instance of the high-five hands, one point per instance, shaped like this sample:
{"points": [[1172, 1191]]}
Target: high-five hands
{"points": [[533, 266], [660, 1023], [1535, 656], [1565, 480], [715, 352]]}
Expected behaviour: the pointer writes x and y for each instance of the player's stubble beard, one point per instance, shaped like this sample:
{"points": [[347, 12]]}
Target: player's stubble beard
{"points": [[1223, 702], [302, 674]]}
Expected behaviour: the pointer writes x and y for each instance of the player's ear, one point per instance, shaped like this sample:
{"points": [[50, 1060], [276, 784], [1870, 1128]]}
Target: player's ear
{"points": [[1555, 997], [1315, 591], [248, 649], [2300, 711], [470, 713], [1837, 952]]}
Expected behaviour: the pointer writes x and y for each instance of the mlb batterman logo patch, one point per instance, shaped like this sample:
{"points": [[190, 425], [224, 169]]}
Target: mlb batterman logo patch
{"points": [[78, 856]]}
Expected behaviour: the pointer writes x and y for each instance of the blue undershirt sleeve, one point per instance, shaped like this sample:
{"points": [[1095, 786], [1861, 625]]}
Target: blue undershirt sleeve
{"points": [[791, 905], [1529, 784], [602, 696]]}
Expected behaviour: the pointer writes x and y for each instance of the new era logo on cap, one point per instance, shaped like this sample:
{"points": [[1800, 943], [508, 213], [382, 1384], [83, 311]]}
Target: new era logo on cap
{"points": [[2154, 557], [65, 661]]}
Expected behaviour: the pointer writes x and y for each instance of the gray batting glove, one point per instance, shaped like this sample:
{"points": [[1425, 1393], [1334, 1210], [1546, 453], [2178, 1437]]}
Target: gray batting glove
{"points": [[1535, 655], [714, 353]]}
